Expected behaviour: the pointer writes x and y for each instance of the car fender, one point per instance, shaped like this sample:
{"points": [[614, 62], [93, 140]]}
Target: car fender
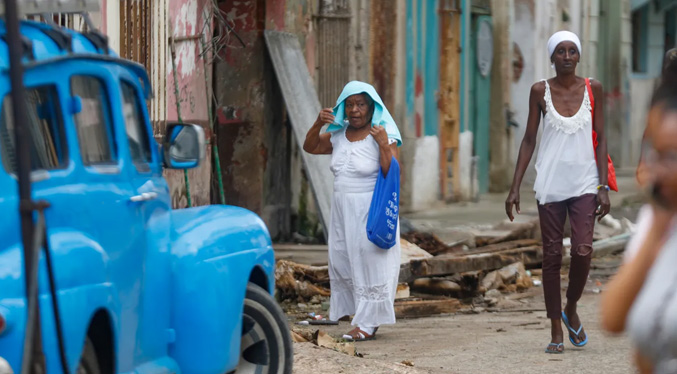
{"points": [[215, 249], [80, 276]]}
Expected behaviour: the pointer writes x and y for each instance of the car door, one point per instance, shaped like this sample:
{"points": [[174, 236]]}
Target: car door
{"points": [[153, 209], [112, 214]]}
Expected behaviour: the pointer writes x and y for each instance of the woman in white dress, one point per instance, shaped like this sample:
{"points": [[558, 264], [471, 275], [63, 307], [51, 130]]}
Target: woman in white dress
{"points": [[362, 138], [571, 179]]}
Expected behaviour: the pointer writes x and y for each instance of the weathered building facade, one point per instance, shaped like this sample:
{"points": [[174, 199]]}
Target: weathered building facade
{"points": [[144, 31], [623, 44], [455, 74]]}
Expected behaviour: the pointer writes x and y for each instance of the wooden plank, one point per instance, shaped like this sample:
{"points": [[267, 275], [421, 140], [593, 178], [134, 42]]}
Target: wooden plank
{"points": [[503, 246], [499, 235], [528, 255], [425, 308], [449, 264], [302, 253], [303, 106]]}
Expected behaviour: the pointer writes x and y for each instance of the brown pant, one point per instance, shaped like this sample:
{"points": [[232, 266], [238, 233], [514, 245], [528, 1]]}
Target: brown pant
{"points": [[582, 219]]}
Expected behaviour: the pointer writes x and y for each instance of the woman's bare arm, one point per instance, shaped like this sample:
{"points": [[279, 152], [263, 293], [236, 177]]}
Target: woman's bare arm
{"points": [[316, 143], [527, 147], [386, 150], [602, 164]]}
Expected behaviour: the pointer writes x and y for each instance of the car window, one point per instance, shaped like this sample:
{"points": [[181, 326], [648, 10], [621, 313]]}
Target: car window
{"points": [[48, 146], [93, 122], [137, 133]]}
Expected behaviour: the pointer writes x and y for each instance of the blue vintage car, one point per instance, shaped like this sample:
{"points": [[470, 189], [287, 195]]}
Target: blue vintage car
{"points": [[141, 288]]}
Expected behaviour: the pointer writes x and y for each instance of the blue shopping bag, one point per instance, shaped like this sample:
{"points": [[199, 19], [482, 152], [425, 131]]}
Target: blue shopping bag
{"points": [[385, 207]]}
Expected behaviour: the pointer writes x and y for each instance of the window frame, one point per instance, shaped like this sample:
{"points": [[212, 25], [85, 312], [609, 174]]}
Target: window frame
{"points": [[59, 134], [109, 167], [640, 40], [146, 166]]}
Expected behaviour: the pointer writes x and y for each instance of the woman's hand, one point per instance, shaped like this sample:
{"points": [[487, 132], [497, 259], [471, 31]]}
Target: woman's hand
{"points": [[316, 143], [326, 116], [604, 206], [380, 135], [513, 199]]}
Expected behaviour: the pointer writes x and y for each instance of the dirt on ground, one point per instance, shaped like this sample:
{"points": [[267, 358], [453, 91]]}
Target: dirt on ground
{"points": [[511, 340]]}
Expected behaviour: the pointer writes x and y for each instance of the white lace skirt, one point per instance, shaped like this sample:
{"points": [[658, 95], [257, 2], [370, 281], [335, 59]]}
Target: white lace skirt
{"points": [[363, 276]]}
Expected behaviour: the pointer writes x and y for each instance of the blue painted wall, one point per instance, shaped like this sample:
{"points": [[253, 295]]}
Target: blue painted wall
{"points": [[409, 73], [423, 64], [431, 81]]}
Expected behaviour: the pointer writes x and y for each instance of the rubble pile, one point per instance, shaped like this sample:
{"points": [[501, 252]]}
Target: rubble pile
{"points": [[441, 274]]}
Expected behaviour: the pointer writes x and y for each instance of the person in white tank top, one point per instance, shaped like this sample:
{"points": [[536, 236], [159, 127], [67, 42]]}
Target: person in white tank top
{"points": [[568, 179]]}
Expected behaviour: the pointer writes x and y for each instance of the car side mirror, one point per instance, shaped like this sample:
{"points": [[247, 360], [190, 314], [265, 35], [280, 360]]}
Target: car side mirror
{"points": [[184, 146]]}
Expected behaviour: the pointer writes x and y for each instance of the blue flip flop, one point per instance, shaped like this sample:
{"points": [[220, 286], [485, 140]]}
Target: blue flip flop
{"points": [[556, 345], [566, 323]]}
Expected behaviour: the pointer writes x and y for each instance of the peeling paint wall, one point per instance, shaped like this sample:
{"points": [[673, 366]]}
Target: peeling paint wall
{"points": [[188, 18], [260, 159], [178, 18], [420, 124], [239, 89]]}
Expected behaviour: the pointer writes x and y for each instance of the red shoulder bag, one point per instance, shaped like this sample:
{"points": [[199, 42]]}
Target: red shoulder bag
{"points": [[611, 174]]}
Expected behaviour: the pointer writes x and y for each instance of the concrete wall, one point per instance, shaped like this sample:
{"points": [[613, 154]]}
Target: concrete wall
{"points": [[239, 88], [604, 29], [260, 158], [615, 56], [501, 139], [642, 85], [545, 17]]}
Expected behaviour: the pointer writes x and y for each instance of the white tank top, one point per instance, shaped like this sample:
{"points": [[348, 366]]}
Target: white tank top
{"points": [[565, 166]]}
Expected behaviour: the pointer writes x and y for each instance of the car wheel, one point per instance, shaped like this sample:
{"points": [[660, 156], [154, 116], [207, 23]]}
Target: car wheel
{"points": [[88, 361], [266, 345]]}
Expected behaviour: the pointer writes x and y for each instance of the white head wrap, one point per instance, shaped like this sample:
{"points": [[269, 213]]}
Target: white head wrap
{"points": [[562, 36]]}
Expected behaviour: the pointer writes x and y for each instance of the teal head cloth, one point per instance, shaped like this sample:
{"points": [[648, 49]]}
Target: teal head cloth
{"points": [[381, 115]]}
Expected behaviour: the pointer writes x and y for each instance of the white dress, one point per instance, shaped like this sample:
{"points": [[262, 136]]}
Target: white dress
{"points": [[566, 165], [363, 276]]}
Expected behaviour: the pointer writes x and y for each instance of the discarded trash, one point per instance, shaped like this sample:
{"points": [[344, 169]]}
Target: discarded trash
{"points": [[537, 282], [323, 339], [298, 338], [303, 323]]}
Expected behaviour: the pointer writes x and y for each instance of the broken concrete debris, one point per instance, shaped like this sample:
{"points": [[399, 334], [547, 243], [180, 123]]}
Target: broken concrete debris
{"points": [[410, 251], [516, 274], [403, 291]]}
